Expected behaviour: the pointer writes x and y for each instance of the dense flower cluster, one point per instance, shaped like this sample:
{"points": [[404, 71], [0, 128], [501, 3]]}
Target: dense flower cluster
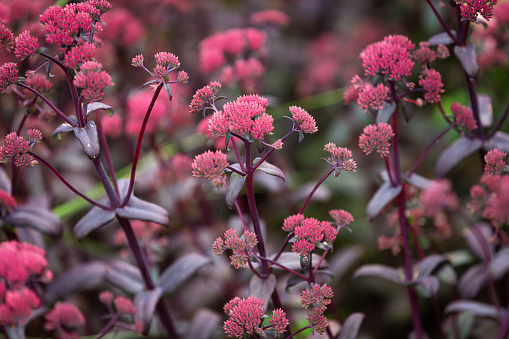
{"points": [[63, 24], [431, 81], [204, 97], [245, 116], [165, 63], [7, 200], [305, 121], [79, 54], [26, 45], [16, 147], [376, 137], [6, 35], [318, 298], [341, 217], [177, 169], [210, 165], [245, 316], [371, 97], [239, 246], [64, 318], [437, 197], [470, 9], [340, 159], [17, 305], [38, 82], [495, 162], [490, 199], [8, 75], [93, 80], [279, 321], [463, 116]]}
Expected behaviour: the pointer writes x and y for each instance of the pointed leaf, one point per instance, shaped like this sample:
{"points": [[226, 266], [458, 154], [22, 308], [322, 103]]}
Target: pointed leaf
{"points": [[441, 39], [351, 326], [407, 109], [125, 276], [380, 271], [293, 280], [145, 303], [181, 270], [454, 154], [269, 169], [468, 59], [137, 209], [485, 110], [15, 332], [499, 141], [78, 278], [477, 308], [148, 83], [427, 286], [418, 181], [384, 195], [234, 187], [500, 264], [89, 140], [478, 239], [93, 220], [429, 264], [386, 112], [203, 325], [64, 128], [262, 288], [94, 106], [35, 217], [167, 87], [447, 275], [472, 281]]}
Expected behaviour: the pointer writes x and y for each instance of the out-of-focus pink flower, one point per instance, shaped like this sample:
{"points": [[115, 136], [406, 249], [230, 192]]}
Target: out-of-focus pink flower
{"points": [[7, 201], [124, 305], [25, 45], [137, 105], [463, 116], [437, 197], [270, 18], [124, 28], [63, 24], [431, 81], [17, 306], [64, 318], [495, 162], [8, 75], [210, 165], [318, 321]]}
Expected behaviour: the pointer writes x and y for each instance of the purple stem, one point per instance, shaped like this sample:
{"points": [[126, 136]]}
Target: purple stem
{"points": [[272, 262], [282, 248], [322, 258], [138, 146], [233, 169], [442, 23], [302, 329], [474, 103], [269, 152], [314, 190], [239, 158], [499, 124], [107, 155]]}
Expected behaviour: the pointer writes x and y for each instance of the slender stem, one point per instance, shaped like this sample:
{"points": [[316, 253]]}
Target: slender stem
{"points": [[255, 272], [269, 152], [390, 170], [442, 23], [66, 183], [272, 262], [107, 153], [322, 258], [233, 169], [237, 154], [503, 331], [282, 248], [114, 200], [474, 102], [499, 124], [138, 146], [297, 332], [314, 189], [109, 326]]}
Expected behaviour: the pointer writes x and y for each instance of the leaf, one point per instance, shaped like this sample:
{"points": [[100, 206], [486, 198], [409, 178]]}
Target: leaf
{"points": [[386, 112], [125, 276], [301, 136], [384, 195], [78, 278], [472, 281], [15, 332], [93, 220], [477, 243], [441, 39], [293, 280], [89, 140], [203, 325], [351, 326], [262, 288], [234, 187], [291, 260], [427, 286], [468, 59], [167, 87], [429, 264], [145, 303], [477, 308], [148, 83], [485, 110], [499, 141], [138, 209], [342, 261], [454, 154], [407, 109], [35, 217], [94, 106], [418, 181], [269, 169], [380, 271], [181, 270], [447, 275], [500, 264], [64, 128]]}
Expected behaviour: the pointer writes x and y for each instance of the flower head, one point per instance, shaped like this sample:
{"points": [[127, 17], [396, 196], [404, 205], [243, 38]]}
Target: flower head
{"points": [[370, 97], [318, 298], [20, 262], [438, 196], [106, 297], [63, 24], [431, 81], [7, 201], [424, 54], [17, 306], [376, 137], [93, 80], [245, 316], [165, 63], [239, 246], [279, 321], [305, 121], [210, 165], [79, 54], [318, 321], [65, 318], [8, 75], [340, 159], [26, 45], [6, 35], [309, 232], [470, 9], [495, 162], [341, 217], [16, 147], [124, 305], [137, 61], [204, 97], [463, 116]]}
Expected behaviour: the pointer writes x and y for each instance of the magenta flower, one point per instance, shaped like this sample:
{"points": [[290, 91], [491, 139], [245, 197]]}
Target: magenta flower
{"points": [[204, 97], [64, 318], [424, 54], [279, 321], [106, 297], [340, 159], [470, 9], [124, 305], [93, 81], [183, 77], [463, 116], [63, 24], [318, 298], [370, 97], [239, 246], [16, 147], [26, 45], [431, 81], [305, 121], [137, 61], [79, 54], [341, 217], [245, 316], [6, 35], [376, 137], [438, 196], [8, 75], [17, 306], [210, 165], [21, 261], [292, 221], [318, 321], [7, 200], [495, 162]]}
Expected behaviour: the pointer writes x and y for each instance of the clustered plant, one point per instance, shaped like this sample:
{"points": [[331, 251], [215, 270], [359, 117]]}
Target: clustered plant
{"points": [[283, 282]]}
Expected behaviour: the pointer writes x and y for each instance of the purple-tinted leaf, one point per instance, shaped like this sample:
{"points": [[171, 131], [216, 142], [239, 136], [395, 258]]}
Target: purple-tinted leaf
{"points": [[499, 141], [407, 109], [351, 326], [418, 181], [384, 195], [35, 217], [94, 106], [427, 286], [270, 169], [181, 270], [468, 59], [343, 260], [89, 140], [234, 187], [500, 264], [80, 277], [167, 87], [472, 281], [145, 303], [137, 209], [386, 112], [441, 39], [262, 288], [477, 308], [125, 276], [485, 110], [447, 275], [427, 265], [148, 83], [291, 260], [293, 280], [478, 243], [15, 332], [5, 182], [203, 325], [380, 271], [64, 128], [93, 220], [454, 154]]}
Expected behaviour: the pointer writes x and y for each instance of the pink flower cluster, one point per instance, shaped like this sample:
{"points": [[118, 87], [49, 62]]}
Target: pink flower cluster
{"points": [[248, 72], [16, 305], [431, 81], [204, 97], [341, 217], [390, 57], [6, 35], [93, 80], [210, 165], [309, 232], [63, 24], [245, 116], [490, 199], [305, 121], [245, 316], [318, 298], [16, 147], [124, 28], [26, 45], [239, 246], [8, 75], [7, 200], [470, 9], [177, 169], [122, 304], [79, 54], [270, 18], [38, 82], [340, 159], [495, 162], [463, 116], [64, 318], [165, 63], [376, 137], [371, 97], [437, 197]]}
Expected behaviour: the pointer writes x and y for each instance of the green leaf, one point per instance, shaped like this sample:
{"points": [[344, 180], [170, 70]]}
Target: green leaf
{"points": [[167, 87], [234, 187], [351, 326], [384, 195], [227, 137], [269, 169], [94, 106], [262, 288], [181, 270]]}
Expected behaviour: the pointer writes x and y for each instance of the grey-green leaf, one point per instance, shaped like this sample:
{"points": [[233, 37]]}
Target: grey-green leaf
{"points": [[94, 106], [145, 303], [380, 271], [454, 154], [234, 187], [269, 169], [441, 39], [138, 209], [93, 220], [384, 195], [262, 288], [89, 140], [181, 270], [351, 326], [386, 112]]}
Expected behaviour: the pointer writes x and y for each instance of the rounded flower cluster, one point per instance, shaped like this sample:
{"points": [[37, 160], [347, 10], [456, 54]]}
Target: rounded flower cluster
{"points": [[318, 298], [371, 97], [309, 232], [490, 199], [165, 63], [16, 147], [340, 159], [463, 116], [269, 18], [245, 316], [305, 121], [495, 162], [470, 9], [26, 45], [93, 81], [210, 165], [239, 246], [6, 35], [17, 305], [376, 137], [8, 75], [245, 116], [341, 217], [204, 97], [63, 24], [431, 81], [79, 54], [65, 318]]}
